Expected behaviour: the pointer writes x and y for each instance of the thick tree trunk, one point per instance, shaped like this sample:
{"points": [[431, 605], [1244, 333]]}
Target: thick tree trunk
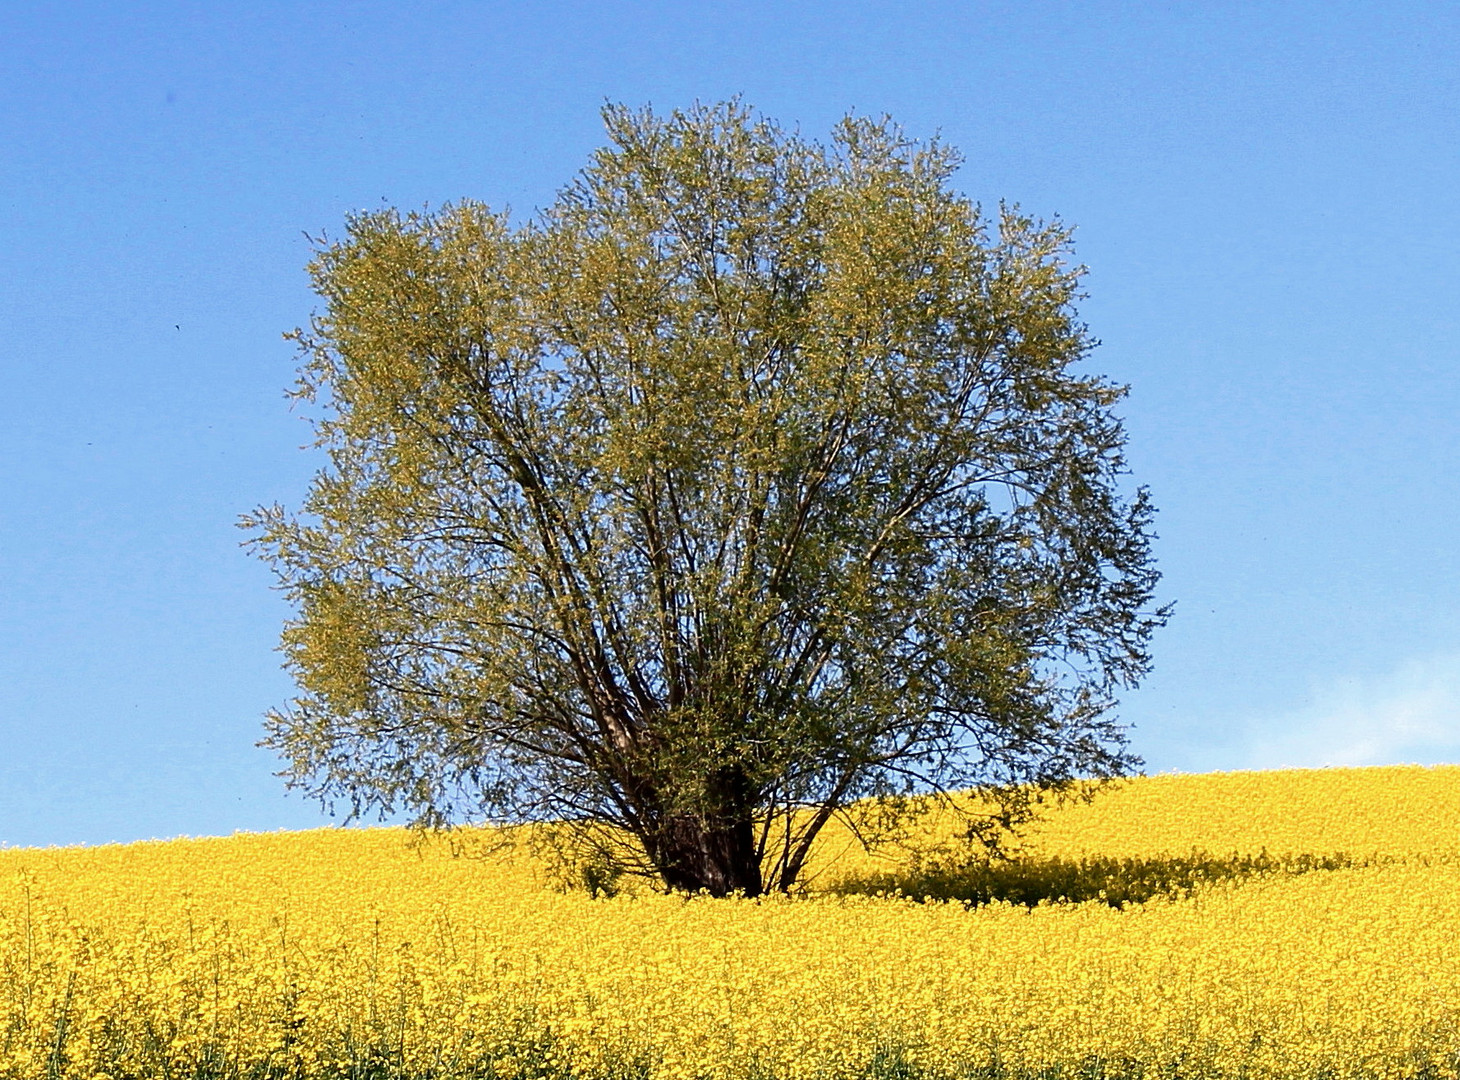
{"points": [[717, 856]]}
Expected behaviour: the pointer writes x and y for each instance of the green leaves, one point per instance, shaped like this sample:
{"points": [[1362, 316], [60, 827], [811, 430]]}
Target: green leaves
{"points": [[751, 478]]}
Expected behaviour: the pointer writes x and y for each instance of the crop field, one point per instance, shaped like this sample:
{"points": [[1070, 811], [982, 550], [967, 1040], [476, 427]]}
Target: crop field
{"points": [[1252, 925]]}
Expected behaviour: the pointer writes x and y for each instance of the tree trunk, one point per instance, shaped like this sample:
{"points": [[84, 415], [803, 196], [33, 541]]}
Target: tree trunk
{"points": [[717, 856]]}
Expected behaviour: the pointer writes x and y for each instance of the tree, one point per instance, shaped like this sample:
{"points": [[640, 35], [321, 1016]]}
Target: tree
{"points": [[752, 483]]}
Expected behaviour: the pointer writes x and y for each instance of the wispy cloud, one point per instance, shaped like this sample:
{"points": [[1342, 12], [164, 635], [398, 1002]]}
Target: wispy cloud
{"points": [[1410, 714]]}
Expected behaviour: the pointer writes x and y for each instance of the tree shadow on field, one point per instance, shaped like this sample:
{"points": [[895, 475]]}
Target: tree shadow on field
{"points": [[1030, 880]]}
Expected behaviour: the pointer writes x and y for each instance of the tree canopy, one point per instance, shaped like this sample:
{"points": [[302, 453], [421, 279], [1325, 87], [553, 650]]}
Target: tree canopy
{"points": [[754, 481]]}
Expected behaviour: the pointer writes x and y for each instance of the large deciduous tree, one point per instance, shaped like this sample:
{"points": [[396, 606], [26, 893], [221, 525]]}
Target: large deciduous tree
{"points": [[752, 480]]}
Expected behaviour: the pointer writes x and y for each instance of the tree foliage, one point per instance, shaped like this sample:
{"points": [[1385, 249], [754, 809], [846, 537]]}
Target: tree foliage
{"points": [[752, 478]]}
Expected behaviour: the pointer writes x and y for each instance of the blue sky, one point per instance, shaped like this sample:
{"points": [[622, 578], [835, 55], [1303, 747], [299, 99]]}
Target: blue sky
{"points": [[1267, 196]]}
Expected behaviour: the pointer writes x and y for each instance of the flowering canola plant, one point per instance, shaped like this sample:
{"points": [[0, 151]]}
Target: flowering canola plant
{"points": [[347, 952]]}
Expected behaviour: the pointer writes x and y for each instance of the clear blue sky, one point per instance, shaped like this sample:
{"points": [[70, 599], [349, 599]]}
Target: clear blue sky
{"points": [[1268, 197]]}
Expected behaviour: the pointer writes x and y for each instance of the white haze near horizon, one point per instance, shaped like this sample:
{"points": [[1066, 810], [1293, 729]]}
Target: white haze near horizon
{"points": [[1409, 714]]}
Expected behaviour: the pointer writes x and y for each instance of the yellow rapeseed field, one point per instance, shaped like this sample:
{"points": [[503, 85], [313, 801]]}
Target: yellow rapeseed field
{"points": [[354, 953]]}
